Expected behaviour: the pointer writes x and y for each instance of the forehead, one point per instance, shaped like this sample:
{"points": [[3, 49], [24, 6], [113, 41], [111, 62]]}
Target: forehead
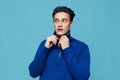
{"points": [[61, 15]]}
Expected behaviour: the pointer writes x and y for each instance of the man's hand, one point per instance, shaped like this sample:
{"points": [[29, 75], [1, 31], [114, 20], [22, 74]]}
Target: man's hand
{"points": [[63, 42], [50, 41]]}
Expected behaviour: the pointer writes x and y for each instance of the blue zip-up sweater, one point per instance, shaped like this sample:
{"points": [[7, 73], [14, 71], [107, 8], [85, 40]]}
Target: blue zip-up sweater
{"points": [[72, 63]]}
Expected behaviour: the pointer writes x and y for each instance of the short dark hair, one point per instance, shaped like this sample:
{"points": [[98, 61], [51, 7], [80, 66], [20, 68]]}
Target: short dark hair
{"points": [[64, 9]]}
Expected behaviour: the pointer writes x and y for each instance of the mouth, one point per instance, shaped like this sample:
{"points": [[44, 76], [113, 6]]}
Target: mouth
{"points": [[59, 30]]}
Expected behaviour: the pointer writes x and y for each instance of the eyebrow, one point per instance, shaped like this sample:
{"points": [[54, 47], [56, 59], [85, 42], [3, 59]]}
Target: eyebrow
{"points": [[56, 19], [62, 19]]}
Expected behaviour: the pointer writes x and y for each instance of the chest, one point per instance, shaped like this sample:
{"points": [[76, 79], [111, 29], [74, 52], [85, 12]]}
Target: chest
{"points": [[55, 57]]}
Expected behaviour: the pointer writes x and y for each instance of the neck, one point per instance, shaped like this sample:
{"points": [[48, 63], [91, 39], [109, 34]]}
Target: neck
{"points": [[58, 37]]}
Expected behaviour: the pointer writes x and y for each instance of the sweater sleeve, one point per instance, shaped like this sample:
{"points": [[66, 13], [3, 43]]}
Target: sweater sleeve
{"points": [[37, 65], [78, 63]]}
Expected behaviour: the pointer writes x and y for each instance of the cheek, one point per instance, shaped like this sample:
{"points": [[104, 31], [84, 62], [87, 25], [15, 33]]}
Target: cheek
{"points": [[55, 26], [67, 27], [66, 30]]}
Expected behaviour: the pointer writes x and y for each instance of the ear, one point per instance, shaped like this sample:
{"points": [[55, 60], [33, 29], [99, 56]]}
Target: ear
{"points": [[71, 23]]}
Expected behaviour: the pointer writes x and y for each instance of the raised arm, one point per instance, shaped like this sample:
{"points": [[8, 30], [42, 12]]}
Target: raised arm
{"points": [[78, 61], [37, 65]]}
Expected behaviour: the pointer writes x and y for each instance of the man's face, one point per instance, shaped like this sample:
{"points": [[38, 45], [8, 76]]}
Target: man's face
{"points": [[62, 23]]}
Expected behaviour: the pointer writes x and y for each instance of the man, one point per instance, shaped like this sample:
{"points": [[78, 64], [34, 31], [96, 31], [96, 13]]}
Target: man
{"points": [[60, 56]]}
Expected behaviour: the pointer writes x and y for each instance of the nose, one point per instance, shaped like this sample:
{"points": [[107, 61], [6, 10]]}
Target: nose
{"points": [[60, 24]]}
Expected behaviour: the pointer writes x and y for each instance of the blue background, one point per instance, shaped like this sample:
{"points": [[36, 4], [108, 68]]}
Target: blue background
{"points": [[25, 23]]}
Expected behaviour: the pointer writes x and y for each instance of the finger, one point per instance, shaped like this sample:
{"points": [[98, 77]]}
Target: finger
{"points": [[59, 44], [55, 37], [54, 42], [51, 43], [63, 37]]}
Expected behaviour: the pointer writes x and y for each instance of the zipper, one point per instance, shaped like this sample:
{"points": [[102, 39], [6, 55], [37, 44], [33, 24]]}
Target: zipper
{"points": [[59, 55], [59, 58]]}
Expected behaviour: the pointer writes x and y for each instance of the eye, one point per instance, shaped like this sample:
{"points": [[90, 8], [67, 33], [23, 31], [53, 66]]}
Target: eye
{"points": [[64, 20], [56, 20]]}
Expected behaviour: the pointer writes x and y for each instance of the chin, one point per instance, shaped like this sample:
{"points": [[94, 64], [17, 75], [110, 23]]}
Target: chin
{"points": [[60, 34]]}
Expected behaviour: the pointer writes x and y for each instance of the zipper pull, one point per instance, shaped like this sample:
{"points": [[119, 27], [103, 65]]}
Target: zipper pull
{"points": [[59, 58], [59, 55]]}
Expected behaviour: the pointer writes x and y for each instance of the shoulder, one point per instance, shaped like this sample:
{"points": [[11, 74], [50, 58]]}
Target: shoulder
{"points": [[78, 43], [42, 43], [78, 47]]}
